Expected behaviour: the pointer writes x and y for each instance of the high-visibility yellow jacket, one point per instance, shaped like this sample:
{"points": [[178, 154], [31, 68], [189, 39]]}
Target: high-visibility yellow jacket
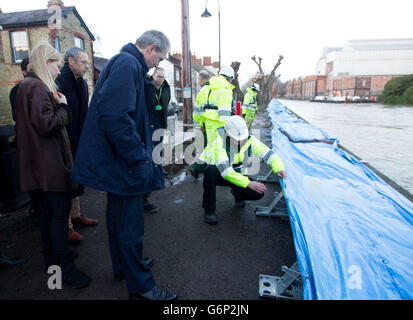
{"points": [[219, 155], [219, 102], [250, 107], [200, 103]]}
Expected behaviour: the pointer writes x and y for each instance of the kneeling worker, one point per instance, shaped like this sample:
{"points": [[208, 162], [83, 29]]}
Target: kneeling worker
{"points": [[224, 161]]}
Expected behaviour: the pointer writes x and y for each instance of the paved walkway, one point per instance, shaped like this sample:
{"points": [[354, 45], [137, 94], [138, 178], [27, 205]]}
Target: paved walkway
{"points": [[192, 258]]}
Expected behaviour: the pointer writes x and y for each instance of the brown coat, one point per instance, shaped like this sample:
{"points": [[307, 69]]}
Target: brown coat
{"points": [[43, 149]]}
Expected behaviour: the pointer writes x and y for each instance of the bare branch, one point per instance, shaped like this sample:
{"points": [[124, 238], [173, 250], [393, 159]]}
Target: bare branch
{"points": [[277, 64], [254, 58]]}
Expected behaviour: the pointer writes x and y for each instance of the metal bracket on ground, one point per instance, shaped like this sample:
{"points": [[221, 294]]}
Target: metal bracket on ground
{"points": [[289, 286], [273, 210], [266, 178]]}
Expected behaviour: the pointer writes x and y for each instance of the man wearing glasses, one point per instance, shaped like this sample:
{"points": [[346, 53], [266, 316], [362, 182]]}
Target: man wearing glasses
{"points": [[75, 88], [161, 93]]}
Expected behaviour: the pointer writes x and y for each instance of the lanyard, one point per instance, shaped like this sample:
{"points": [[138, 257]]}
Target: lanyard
{"points": [[158, 98]]}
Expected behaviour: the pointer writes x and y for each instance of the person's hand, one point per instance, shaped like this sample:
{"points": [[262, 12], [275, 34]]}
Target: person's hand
{"points": [[282, 174], [60, 98], [257, 186]]}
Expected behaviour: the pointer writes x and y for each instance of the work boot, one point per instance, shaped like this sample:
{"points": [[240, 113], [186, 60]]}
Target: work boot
{"points": [[155, 293], [71, 275], [210, 217], [6, 261]]}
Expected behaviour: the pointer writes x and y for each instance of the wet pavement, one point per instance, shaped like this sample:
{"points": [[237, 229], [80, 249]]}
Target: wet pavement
{"points": [[193, 259]]}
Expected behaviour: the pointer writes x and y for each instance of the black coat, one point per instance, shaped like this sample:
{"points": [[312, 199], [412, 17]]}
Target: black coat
{"points": [[13, 95], [77, 95], [162, 97]]}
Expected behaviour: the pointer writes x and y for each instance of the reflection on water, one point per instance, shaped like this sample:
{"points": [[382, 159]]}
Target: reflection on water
{"points": [[380, 135]]}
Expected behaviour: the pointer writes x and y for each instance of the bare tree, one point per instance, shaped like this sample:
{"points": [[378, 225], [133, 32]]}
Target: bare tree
{"points": [[238, 95], [266, 81]]}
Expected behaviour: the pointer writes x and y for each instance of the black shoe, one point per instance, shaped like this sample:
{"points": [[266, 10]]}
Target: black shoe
{"points": [[121, 276], [6, 261], [210, 217], [71, 275], [150, 208], [149, 262], [155, 293]]}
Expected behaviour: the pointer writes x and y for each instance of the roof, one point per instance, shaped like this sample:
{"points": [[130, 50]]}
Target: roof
{"points": [[37, 18], [379, 44], [199, 67], [372, 45], [99, 63], [327, 50]]}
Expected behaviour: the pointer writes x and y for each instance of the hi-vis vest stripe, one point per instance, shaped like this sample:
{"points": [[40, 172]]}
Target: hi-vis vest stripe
{"points": [[215, 154]]}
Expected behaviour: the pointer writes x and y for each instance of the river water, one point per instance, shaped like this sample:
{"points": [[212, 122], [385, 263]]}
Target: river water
{"points": [[381, 135]]}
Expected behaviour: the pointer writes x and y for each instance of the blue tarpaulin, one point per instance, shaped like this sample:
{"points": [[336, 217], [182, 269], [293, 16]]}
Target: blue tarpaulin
{"points": [[353, 233]]}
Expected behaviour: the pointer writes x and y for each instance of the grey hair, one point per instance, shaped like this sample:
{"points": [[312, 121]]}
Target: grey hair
{"points": [[73, 52], [155, 37], [204, 75]]}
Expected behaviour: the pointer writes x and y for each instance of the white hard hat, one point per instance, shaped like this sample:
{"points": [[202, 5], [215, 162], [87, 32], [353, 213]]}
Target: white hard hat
{"points": [[236, 128], [227, 71], [255, 86]]}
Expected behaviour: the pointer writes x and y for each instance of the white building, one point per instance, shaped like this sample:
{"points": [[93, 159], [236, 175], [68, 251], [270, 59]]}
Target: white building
{"points": [[368, 57]]}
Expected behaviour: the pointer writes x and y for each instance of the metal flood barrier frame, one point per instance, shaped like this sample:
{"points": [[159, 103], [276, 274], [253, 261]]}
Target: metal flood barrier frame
{"points": [[352, 228], [289, 285]]}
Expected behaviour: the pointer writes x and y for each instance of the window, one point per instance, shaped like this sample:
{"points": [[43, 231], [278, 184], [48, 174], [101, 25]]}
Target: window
{"points": [[57, 44], [79, 43], [19, 45]]}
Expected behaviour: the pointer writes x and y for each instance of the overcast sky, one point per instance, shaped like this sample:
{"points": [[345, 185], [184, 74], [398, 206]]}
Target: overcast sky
{"points": [[297, 29]]}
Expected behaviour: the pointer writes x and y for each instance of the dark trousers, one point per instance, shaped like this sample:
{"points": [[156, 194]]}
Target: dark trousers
{"points": [[213, 178], [125, 226], [35, 200], [54, 214]]}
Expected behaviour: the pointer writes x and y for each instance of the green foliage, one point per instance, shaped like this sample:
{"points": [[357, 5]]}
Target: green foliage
{"points": [[398, 90], [408, 96]]}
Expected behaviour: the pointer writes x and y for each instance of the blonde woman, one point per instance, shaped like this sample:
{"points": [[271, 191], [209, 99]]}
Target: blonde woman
{"points": [[44, 157]]}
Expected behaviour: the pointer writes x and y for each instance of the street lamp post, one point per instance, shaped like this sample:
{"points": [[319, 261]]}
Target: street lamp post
{"points": [[207, 14], [186, 68]]}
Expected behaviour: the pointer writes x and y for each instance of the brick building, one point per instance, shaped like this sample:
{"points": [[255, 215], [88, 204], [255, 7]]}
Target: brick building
{"points": [[173, 74], [360, 68], [21, 31]]}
